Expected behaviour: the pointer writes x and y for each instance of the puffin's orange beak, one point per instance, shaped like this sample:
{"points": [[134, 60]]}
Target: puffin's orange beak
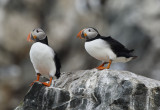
{"points": [[29, 37], [79, 35]]}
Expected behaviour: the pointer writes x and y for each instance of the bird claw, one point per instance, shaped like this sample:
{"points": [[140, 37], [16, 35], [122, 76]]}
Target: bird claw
{"points": [[46, 84], [100, 68]]}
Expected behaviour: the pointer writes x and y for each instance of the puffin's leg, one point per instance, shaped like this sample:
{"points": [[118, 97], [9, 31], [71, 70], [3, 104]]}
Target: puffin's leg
{"points": [[101, 67], [109, 64], [38, 76], [48, 84]]}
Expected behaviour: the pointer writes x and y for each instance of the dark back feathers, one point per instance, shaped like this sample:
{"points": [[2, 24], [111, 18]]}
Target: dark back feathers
{"points": [[117, 47], [58, 66]]}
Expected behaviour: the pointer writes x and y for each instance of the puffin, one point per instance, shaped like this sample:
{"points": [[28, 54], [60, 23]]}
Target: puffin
{"points": [[105, 49], [44, 59]]}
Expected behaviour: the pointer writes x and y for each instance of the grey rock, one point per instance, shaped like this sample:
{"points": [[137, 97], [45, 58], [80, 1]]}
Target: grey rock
{"points": [[95, 90]]}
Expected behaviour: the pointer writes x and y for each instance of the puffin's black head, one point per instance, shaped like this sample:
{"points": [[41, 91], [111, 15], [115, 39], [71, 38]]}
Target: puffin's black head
{"points": [[36, 35], [88, 33]]}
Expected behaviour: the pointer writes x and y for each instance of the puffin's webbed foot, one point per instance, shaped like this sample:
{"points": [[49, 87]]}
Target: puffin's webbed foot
{"points": [[48, 84], [38, 76], [101, 67]]}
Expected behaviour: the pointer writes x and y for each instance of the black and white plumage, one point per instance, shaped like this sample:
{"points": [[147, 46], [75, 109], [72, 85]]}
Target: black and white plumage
{"points": [[43, 57], [105, 49]]}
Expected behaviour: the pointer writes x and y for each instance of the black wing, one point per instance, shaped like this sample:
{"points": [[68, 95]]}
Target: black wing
{"points": [[58, 66], [117, 47]]}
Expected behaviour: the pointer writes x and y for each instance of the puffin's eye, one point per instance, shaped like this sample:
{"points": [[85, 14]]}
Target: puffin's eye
{"points": [[89, 30], [37, 31]]}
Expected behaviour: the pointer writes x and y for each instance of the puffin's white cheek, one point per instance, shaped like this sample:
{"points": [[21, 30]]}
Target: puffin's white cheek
{"points": [[41, 36], [92, 35]]}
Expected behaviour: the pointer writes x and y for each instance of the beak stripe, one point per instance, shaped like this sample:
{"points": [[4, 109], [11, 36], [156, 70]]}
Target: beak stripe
{"points": [[79, 34], [29, 37]]}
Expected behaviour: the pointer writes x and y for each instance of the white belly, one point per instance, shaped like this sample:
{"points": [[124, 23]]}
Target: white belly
{"points": [[42, 57], [100, 50]]}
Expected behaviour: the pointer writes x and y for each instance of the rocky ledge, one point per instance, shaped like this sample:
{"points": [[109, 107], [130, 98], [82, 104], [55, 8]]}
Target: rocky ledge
{"points": [[95, 90]]}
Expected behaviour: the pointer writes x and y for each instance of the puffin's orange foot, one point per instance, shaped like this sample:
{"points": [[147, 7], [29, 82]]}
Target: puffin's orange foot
{"points": [[33, 83], [38, 76], [101, 68], [46, 84]]}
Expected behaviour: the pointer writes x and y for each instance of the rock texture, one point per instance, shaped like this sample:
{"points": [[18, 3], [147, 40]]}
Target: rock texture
{"points": [[95, 90]]}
